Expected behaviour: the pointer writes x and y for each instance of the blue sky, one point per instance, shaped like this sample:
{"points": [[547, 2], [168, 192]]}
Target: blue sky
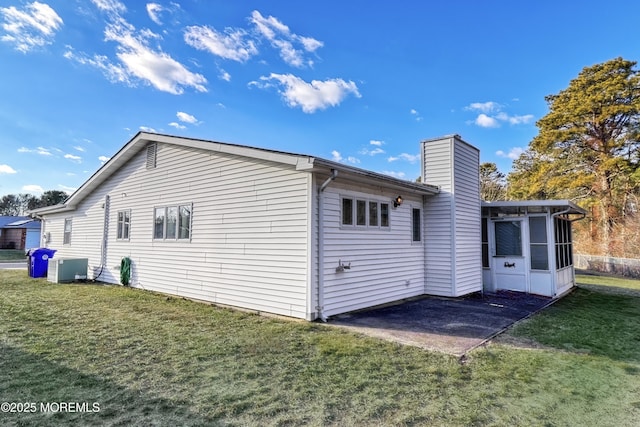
{"points": [[361, 82]]}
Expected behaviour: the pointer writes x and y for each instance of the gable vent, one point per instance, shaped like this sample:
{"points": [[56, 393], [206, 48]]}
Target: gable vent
{"points": [[152, 150]]}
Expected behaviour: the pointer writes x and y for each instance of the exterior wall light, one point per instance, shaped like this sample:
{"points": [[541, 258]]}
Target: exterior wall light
{"points": [[397, 201]]}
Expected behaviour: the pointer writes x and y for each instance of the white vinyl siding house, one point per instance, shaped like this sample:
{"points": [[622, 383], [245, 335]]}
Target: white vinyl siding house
{"points": [[275, 232], [249, 231], [381, 262]]}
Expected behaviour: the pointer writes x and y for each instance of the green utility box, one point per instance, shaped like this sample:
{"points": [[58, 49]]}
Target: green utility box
{"points": [[67, 269]]}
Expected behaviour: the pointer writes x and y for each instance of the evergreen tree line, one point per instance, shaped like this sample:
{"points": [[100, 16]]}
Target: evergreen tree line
{"points": [[587, 151], [19, 204]]}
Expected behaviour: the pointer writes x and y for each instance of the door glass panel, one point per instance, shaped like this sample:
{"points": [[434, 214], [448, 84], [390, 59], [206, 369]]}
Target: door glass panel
{"points": [[508, 238]]}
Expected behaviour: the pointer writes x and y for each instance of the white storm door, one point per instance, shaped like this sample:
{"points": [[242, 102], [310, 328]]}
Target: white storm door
{"points": [[509, 260]]}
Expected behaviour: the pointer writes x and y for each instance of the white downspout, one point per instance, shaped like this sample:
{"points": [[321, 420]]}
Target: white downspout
{"points": [[320, 295]]}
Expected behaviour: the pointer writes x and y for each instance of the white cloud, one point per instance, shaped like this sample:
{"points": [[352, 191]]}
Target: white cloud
{"points": [[7, 169], [373, 152], [337, 157], [32, 188], [492, 115], [73, 158], [516, 120], [113, 72], [104, 159], [40, 150], [513, 154], [78, 148], [110, 6], [154, 10], [187, 118], [411, 158], [376, 143], [177, 125], [32, 27], [233, 44], [225, 76], [157, 68], [485, 107], [416, 114], [486, 122], [137, 61], [313, 96], [147, 129], [284, 40]]}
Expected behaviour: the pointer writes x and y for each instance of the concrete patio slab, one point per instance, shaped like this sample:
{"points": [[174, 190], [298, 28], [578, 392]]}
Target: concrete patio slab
{"points": [[451, 325]]}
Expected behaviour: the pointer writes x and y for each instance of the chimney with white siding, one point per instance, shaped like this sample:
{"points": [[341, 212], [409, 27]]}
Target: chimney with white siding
{"points": [[452, 218]]}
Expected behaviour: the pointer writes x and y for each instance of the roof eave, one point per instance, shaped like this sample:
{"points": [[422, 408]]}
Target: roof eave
{"points": [[366, 175], [575, 209]]}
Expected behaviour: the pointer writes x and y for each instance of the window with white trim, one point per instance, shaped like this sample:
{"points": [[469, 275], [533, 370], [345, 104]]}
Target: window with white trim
{"points": [[416, 225], [124, 224], [364, 213], [66, 238], [172, 222]]}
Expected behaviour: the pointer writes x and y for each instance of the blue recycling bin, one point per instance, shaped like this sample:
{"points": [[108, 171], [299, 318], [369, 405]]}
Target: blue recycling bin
{"points": [[39, 261]]}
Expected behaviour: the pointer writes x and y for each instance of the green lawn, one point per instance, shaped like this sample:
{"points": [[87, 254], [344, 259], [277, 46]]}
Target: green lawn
{"points": [[149, 359]]}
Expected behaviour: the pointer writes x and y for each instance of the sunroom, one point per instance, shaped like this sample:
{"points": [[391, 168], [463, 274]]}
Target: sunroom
{"points": [[527, 246]]}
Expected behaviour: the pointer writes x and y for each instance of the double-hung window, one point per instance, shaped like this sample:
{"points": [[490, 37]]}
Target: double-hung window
{"points": [[172, 222], [66, 238], [124, 224]]}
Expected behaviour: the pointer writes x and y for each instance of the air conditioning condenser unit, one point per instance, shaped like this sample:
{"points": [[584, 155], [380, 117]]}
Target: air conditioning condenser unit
{"points": [[62, 270]]}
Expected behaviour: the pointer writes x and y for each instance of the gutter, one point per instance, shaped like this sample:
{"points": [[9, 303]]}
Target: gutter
{"points": [[320, 294]]}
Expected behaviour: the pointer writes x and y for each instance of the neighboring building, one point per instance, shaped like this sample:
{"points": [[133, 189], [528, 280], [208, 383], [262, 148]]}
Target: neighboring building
{"points": [[19, 232], [275, 232]]}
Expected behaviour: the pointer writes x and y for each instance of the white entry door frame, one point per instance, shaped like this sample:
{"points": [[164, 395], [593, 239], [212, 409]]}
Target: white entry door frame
{"points": [[510, 254]]}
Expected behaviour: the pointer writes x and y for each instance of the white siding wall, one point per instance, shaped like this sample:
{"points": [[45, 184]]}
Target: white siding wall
{"points": [[453, 225], [468, 223], [250, 238], [439, 244], [385, 264]]}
